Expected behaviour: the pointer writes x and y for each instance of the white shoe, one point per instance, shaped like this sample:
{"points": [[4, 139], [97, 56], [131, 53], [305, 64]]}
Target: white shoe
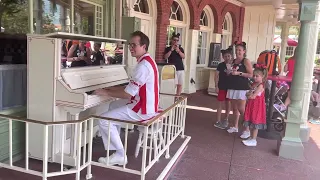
{"points": [[114, 159], [232, 130], [245, 135], [250, 142]]}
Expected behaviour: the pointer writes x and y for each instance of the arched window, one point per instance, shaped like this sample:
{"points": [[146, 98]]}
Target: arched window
{"points": [[203, 19], [141, 6], [175, 15], [176, 12], [227, 28], [206, 28]]}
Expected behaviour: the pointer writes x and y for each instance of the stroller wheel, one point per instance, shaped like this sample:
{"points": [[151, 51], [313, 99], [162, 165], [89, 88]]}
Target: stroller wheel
{"points": [[279, 127]]}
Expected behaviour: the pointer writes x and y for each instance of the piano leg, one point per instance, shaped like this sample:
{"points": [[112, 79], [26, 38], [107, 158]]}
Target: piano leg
{"points": [[74, 130]]}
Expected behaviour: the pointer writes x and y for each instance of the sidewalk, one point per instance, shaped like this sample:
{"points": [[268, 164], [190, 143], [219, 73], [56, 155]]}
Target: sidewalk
{"points": [[213, 154]]}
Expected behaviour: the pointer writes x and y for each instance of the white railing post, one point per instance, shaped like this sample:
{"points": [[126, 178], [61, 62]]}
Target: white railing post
{"points": [[85, 142], [183, 119], [144, 153], [27, 146], [89, 175], [125, 145], [108, 145], [78, 153], [63, 138], [10, 142], [169, 133], [45, 153]]}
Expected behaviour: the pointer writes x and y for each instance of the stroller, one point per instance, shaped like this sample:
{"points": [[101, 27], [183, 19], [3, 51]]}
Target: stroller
{"points": [[278, 115]]}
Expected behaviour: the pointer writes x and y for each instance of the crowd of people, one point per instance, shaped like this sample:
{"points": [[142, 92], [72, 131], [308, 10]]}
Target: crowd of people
{"points": [[80, 54]]}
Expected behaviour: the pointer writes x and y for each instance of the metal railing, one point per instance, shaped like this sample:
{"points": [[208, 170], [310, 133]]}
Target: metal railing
{"points": [[155, 136]]}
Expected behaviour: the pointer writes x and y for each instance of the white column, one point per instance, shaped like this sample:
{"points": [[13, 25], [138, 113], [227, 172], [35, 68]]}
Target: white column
{"points": [[72, 16], [78, 23], [191, 61], [67, 20], [118, 14], [307, 87], [62, 19], [284, 42], [38, 12], [31, 16]]}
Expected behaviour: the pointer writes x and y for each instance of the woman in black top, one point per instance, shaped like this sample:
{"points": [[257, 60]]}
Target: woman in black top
{"points": [[79, 55], [239, 83]]}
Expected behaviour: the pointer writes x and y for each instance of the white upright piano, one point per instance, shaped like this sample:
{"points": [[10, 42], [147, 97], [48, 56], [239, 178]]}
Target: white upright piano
{"points": [[58, 93]]}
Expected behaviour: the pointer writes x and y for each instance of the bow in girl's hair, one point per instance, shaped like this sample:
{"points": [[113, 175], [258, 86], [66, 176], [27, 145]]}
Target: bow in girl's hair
{"points": [[261, 66]]}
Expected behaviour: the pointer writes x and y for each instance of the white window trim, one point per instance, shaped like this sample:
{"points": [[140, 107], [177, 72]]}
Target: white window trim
{"points": [[228, 33], [184, 23], [209, 30]]}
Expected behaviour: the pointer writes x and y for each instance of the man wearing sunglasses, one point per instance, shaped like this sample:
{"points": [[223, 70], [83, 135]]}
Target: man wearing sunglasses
{"points": [[140, 98], [175, 54]]}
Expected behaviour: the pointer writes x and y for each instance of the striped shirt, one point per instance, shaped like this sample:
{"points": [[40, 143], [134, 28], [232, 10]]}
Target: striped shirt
{"points": [[144, 87]]}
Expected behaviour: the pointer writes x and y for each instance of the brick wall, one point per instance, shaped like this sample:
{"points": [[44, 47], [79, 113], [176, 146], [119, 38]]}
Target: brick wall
{"points": [[219, 9]]}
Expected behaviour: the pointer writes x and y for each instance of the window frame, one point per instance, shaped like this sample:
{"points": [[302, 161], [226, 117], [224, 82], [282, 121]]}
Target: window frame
{"points": [[204, 46], [226, 36], [209, 31], [290, 50]]}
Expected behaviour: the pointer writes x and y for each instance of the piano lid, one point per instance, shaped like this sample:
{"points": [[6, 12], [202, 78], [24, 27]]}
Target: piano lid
{"points": [[82, 78], [71, 36]]}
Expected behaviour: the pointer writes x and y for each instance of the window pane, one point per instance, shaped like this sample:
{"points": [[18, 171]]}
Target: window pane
{"points": [[141, 6], [54, 16], [318, 47], [203, 56], [176, 12], [204, 40], [202, 48], [200, 39], [198, 55]]}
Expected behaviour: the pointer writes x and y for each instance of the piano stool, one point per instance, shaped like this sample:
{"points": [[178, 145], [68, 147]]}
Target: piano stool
{"points": [[157, 133]]}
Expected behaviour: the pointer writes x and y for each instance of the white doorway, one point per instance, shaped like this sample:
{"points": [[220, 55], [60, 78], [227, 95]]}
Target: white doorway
{"points": [[146, 10]]}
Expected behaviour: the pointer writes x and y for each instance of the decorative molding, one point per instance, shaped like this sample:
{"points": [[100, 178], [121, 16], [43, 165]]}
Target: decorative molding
{"points": [[236, 2]]}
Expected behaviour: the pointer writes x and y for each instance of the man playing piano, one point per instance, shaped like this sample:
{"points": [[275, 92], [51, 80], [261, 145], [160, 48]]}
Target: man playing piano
{"points": [[140, 98]]}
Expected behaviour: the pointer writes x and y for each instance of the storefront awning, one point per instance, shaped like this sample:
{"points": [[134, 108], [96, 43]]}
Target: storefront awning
{"points": [[290, 42]]}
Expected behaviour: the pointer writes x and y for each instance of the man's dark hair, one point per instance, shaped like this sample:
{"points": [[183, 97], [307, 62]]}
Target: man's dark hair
{"points": [[144, 39], [98, 44]]}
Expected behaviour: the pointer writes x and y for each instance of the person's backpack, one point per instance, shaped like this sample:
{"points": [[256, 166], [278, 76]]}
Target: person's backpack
{"points": [[271, 60]]}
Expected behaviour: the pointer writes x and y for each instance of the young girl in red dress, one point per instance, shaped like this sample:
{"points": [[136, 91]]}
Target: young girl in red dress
{"points": [[255, 113]]}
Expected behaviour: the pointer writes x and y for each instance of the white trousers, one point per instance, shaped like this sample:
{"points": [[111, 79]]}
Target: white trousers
{"points": [[117, 110]]}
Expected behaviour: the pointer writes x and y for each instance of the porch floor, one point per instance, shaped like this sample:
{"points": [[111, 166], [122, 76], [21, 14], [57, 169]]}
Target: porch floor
{"points": [[213, 154]]}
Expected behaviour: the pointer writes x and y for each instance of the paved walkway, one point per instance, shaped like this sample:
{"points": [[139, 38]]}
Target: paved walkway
{"points": [[213, 154]]}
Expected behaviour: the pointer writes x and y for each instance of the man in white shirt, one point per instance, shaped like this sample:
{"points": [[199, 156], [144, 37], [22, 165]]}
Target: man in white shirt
{"points": [[140, 98]]}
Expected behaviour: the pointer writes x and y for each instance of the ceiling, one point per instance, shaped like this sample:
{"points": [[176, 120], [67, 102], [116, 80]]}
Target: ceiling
{"points": [[286, 10]]}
